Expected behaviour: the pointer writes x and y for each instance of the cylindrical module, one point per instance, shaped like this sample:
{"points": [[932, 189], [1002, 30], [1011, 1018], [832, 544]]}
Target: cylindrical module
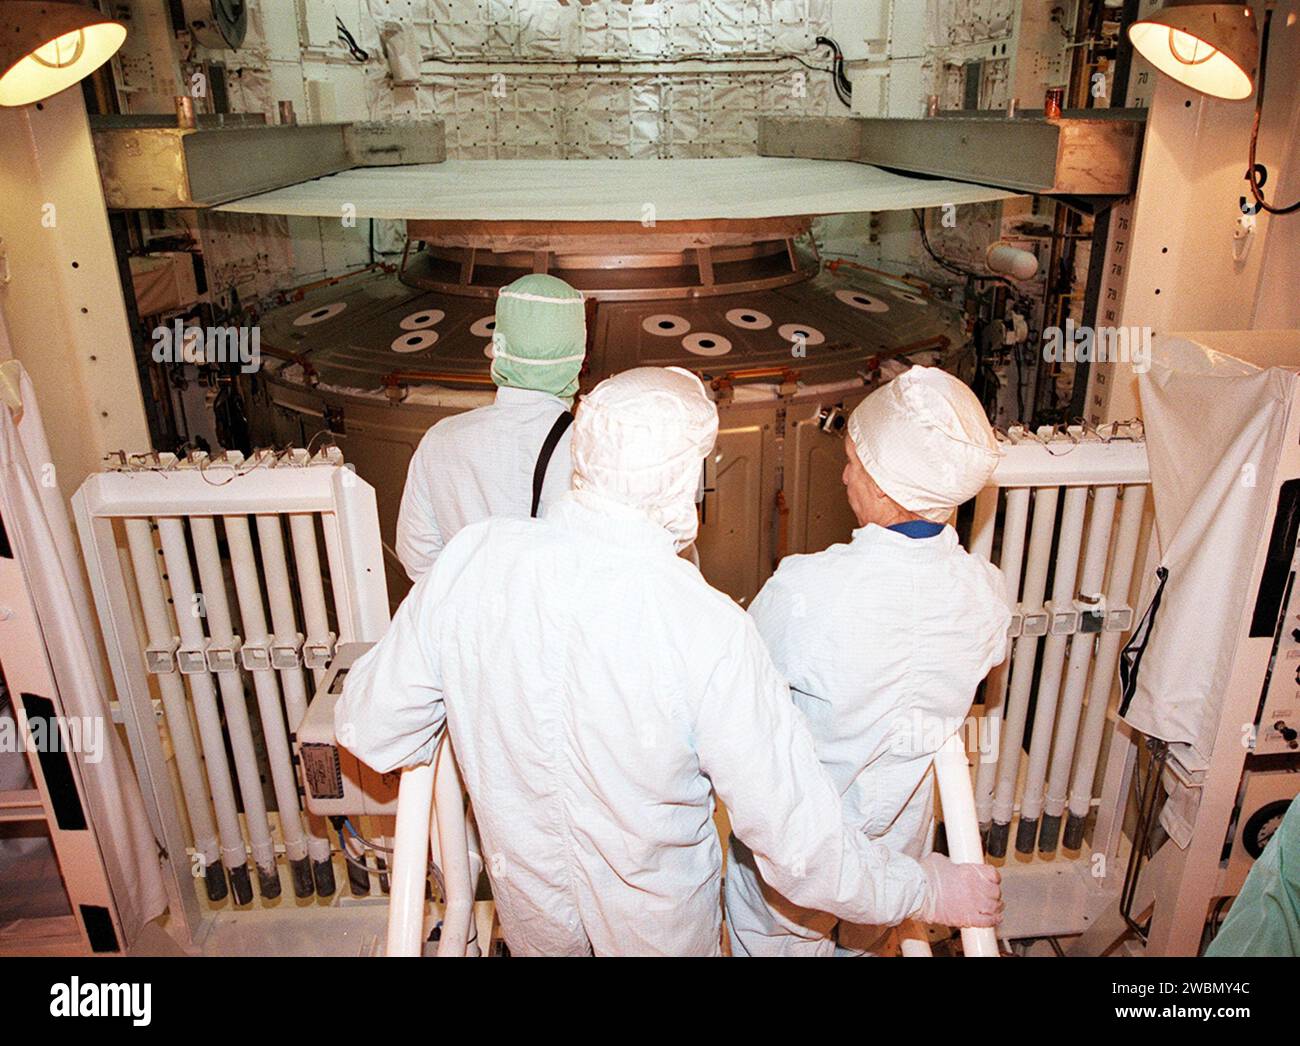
{"points": [[234, 853], [1024, 658], [1070, 538], [249, 595], [1103, 674], [1091, 577], [995, 689], [215, 609], [189, 764], [275, 570]]}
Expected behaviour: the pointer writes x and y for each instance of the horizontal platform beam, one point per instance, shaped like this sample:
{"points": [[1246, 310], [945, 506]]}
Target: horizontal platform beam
{"points": [[1082, 156], [145, 166]]}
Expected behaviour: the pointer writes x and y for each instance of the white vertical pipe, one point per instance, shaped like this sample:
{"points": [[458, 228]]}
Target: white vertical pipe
{"points": [[1024, 657], [983, 523], [410, 862], [233, 852], [449, 815], [144, 560], [1091, 577], [912, 940], [1049, 679], [343, 609], [216, 610], [1103, 674], [253, 616], [302, 527], [962, 830], [995, 690], [275, 570]]}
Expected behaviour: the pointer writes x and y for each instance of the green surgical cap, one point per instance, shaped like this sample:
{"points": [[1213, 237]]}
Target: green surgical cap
{"points": [[540, 338]]}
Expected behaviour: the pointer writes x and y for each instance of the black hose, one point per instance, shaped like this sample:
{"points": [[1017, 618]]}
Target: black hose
{"points": [[1256, 190], [839, 79]]}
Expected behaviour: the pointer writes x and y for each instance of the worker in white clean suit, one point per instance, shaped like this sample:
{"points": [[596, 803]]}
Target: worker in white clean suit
{"points": [[599, 693], [884, 641], [511, 457]]}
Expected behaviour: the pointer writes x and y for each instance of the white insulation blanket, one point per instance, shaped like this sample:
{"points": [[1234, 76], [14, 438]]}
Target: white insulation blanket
{"points": [[645, 191]]}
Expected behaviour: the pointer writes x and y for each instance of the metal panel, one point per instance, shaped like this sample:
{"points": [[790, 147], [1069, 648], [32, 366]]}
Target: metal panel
{"points": [[735, 542], [814, 459]]}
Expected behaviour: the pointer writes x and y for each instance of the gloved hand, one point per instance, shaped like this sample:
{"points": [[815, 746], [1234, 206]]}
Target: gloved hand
{"points": [[961, 894]]}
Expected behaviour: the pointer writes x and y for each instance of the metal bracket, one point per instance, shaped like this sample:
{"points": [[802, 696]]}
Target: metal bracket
{"points": [[161, 660], [255, 655], [318, 651], [1119, 619], [1063, 618], [193, 661], [1092, 613], [1035, 622], [224, 657], [286, 651]]}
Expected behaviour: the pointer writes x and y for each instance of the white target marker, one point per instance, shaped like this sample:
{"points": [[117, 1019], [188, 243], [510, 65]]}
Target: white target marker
{"points": [[415, 341], [424, 318], [666, 325], [915, 299], [320, 314], [861, 300], [702, 344], [749, 319], [484, 327], [800, 332]]}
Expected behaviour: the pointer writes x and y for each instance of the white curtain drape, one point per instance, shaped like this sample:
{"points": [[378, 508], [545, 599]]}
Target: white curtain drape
{"points": [[40, 533], [1212, 421]]}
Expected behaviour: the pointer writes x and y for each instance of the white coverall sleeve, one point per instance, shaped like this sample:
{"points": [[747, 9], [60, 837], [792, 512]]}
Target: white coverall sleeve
{"points": [[418, 539], [758, 753], [772, 610], [391, 713]]}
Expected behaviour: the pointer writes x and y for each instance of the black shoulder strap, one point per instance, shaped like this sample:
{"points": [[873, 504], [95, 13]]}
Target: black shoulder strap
{"points": [[544, 458], [1130, 658]]}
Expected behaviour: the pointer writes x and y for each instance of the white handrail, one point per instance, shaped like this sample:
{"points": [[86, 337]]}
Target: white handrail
{"points": [[952, 771]]}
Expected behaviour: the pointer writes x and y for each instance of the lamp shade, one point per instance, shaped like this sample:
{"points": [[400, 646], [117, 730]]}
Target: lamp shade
{"points": [[1212, 48], [47, 46]]}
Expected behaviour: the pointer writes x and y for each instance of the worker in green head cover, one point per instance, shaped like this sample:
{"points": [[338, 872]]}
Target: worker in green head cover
{"points": [[511, 457]]}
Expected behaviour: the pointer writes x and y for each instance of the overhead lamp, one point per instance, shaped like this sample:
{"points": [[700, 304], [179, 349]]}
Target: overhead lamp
{"points": [[47, 46], [1212, 48]]}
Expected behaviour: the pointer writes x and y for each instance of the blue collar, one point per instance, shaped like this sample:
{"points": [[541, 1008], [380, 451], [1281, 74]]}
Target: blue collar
{"points": [[918, 528]]}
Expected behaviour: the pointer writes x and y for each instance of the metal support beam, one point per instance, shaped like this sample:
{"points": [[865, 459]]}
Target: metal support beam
{"points": [[1077, 155]]}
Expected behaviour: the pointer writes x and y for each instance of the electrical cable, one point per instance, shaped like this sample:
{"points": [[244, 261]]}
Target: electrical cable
{"points": [[1256, 190], [839, 79], [354, 48], [953, 267], [347, 823], [355, 862]]}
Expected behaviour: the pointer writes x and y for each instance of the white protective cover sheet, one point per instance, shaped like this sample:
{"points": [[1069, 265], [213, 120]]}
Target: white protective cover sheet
{"points": [[38, 525], [1214, 426], [612, 190]]}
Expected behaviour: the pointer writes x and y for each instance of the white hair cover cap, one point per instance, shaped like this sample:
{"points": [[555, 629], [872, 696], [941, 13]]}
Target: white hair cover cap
{"points": [[639, 440], [925, 440]]}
